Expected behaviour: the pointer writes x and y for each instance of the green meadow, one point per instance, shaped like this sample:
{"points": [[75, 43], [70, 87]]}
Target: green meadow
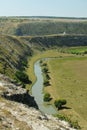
{"points": [[69, 81], [68, 73]]}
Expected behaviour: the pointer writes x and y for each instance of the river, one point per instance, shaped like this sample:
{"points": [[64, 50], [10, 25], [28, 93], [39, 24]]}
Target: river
{"points": [[37, 91]]}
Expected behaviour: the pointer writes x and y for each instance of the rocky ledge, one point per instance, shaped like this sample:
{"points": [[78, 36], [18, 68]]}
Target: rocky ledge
{"points": [[18, 110]]}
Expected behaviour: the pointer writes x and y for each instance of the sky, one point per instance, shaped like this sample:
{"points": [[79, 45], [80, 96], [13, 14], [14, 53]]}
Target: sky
{"points": [[59, 8]]}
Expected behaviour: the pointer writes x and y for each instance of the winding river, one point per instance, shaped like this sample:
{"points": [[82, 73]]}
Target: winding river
{"points": [[37, 91]]}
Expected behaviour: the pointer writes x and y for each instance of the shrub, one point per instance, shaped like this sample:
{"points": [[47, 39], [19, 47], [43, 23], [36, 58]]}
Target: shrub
{"points": [[59, 103], [46, 83], [85, 52], [44, 64], [47, 76], [73, 124], [24, 63], [41, 61], [47, 97], [45, 70], [22, 77]]}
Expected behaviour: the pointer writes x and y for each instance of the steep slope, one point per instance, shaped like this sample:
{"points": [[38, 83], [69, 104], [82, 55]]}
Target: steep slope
{"points": [[13, 52], [48, 27], [42, 26], [51, 41], [18, 116]]}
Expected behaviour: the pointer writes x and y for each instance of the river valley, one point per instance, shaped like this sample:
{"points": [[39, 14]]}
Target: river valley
{"points": [[37, 91]]}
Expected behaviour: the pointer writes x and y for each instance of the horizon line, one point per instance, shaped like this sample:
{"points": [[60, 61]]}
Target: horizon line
{"points": [[43, 16]]}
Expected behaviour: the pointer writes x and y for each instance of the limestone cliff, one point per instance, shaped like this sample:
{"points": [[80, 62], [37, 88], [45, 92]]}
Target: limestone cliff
{"points": [[21, 112]]}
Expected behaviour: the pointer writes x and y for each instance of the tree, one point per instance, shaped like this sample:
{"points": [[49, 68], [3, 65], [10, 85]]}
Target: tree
{"points": [[23, 77], [47, 97], [45, 70], [46, 83], [59, 103]]}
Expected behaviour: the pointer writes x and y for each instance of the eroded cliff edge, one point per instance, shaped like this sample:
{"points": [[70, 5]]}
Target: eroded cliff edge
{"points": [[19, 111]]}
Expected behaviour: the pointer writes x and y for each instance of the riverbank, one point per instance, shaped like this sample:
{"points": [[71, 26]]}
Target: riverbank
{"points": [[54, 92], [40, 55]]}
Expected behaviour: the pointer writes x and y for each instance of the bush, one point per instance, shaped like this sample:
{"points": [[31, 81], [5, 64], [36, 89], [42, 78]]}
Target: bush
{"points": [[45, 70], [24, 63], [44, 64], [47, 76], [47, 97], [22, 77], [46, 83], [73, 124], [41, 61], [59, 103], [85, 52]]}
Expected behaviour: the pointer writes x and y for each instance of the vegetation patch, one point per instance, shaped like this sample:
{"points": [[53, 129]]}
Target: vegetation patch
{"points": [[13, 55], [81, 50], [45, 71], [60, 103], [23, 78], [73, 124], [47, 97]]}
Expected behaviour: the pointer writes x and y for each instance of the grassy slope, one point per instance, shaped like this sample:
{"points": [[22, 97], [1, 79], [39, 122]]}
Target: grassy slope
{"points": [[59, 40], [12, 53]]}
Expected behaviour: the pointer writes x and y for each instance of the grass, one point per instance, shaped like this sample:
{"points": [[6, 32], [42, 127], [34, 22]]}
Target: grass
{"points": [[69, 81], [38, 55], [74, 50], [73, 124]]}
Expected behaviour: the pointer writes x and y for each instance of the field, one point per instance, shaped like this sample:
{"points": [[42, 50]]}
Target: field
{"points": [[74, 50], [68, 80], [40, 55]]}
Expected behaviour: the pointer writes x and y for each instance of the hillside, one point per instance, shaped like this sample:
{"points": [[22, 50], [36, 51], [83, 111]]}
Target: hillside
{"points": [[19, 116], [42, 26], [52, 41], [13, 52], [51, 27]]}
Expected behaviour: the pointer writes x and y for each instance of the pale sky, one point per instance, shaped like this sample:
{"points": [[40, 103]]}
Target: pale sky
{"points": [[60, 8]]}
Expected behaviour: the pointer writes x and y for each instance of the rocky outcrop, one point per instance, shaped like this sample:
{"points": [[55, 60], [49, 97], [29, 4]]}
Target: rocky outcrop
{"points": [[24, 98], [15, 115], [17, 93]]}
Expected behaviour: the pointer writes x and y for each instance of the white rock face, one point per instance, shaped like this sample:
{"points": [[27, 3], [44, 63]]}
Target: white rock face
{"points": [[17, 116], [33, 119]]}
